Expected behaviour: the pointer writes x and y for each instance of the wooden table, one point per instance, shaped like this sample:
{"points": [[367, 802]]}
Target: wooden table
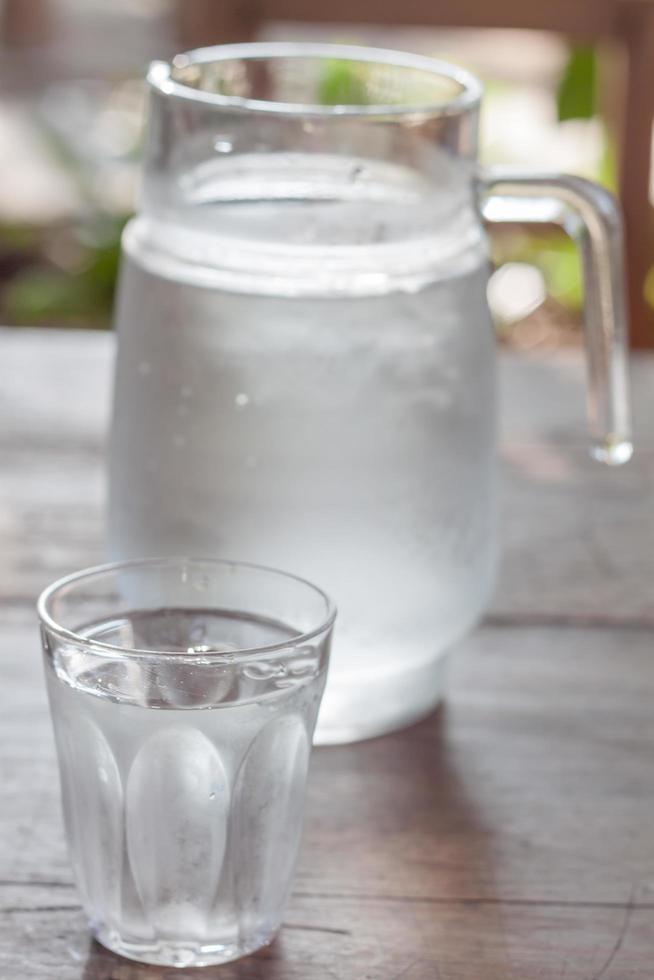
{"points": [[510, 837]]}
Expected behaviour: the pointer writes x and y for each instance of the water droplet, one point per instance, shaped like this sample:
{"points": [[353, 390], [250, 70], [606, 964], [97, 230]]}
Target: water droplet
{"points": [[180, 957], [223, 145], [144, 368], [200, 648], [185, 391], [242, 400], [201, 582], [179, 441], [212, 796], [308, 126], [198, 632]]}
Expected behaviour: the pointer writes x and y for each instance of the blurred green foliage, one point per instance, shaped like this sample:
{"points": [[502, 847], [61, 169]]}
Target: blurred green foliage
{"points": [[42, 292], [576, 96], [62, 274], [341, 84], [550, 250]]}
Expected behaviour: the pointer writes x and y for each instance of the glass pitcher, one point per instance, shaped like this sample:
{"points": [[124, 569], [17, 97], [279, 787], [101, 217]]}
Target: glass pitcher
{"points": [[306, 361]]}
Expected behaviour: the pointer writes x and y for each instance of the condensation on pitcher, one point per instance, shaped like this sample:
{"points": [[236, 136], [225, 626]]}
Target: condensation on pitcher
{"points": [[242, 400], [198, 632], [359, 172]]}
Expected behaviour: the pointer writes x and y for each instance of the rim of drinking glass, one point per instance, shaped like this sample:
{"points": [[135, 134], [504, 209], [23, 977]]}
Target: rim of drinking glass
{"points": [[231, 659], [160, 77]]}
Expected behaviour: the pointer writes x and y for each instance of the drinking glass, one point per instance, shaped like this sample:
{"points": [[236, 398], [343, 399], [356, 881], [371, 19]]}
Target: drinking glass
{"points": [[184, 694]]}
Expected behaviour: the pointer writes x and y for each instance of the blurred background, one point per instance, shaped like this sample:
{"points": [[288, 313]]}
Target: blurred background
{"points": [[559, 96]]}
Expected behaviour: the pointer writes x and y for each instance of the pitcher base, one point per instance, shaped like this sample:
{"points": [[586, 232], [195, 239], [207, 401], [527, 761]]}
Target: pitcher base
{"points": [[377, 706]]}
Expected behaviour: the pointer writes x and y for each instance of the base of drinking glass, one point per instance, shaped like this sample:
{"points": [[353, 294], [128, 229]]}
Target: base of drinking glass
{"points": [[178, 953], [377, 705]]}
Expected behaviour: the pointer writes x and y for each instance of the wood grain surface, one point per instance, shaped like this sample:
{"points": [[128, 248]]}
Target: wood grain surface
{"points": [[509, 837]]}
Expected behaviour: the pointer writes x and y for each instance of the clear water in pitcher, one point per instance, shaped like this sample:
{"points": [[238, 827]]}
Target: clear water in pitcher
{"points": [[322, 409]]}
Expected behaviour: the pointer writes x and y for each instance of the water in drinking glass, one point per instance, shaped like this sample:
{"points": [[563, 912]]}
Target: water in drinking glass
{"points": [[183, 786]]}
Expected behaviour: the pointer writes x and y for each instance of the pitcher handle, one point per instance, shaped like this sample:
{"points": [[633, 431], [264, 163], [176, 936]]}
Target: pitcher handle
{"points": [[591, 216]]}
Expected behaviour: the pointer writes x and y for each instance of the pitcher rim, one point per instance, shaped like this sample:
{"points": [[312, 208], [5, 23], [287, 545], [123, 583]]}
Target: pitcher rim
{"points": [[160, 78]]}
